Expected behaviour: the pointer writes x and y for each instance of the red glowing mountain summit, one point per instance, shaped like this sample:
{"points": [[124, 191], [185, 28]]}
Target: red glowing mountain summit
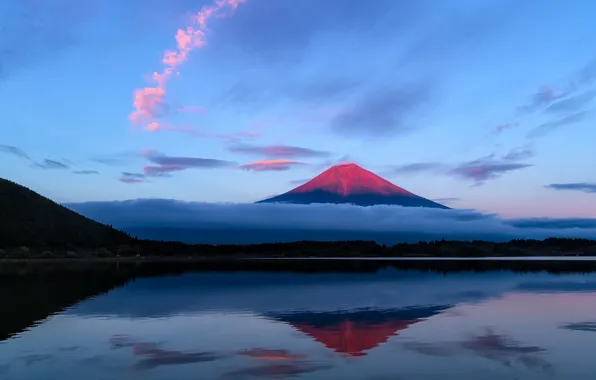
{"points": [[349, 183]]}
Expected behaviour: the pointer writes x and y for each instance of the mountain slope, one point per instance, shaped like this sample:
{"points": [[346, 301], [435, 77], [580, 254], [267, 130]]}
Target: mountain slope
{"points": [[29, 219], [349, 183]]}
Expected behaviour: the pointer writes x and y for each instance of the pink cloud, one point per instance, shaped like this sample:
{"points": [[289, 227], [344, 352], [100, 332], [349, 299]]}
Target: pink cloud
{"points": [[271, 165], [148, 101]]}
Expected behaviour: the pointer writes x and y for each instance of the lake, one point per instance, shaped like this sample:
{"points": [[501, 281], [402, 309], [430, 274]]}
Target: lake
{"points": [[307, 320]]}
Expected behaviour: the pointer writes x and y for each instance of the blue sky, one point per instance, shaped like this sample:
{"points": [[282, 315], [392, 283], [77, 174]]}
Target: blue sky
{"points": [[487, 103]]}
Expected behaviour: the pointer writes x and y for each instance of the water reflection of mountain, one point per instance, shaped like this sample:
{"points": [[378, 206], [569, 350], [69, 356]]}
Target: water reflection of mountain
{"points": [[31, 293], [354, 332]]}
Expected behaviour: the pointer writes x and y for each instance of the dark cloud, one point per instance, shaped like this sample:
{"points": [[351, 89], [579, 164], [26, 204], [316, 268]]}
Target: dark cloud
{"points": [[581, 326], [51, 164], [117, 159], [131, 178], [479, 170], [186, 162], [14, 150], [383, 111], [519, 154], [553, 223], [278, 151], [486, 168], [272, 165], [85, 172], [321, 217], [571, 104], [551, 126], [165, 165], [577, 186]]}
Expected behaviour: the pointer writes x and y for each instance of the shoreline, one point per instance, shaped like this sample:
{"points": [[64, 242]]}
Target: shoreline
{"points": [[211, 259]]}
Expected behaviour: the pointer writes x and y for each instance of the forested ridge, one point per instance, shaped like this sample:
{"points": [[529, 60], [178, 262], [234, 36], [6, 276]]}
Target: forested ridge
{"points": [[35, 226]]}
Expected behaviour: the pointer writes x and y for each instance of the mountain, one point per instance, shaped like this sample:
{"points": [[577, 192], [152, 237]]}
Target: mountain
{"points": [[349, 183], [29, 219]]}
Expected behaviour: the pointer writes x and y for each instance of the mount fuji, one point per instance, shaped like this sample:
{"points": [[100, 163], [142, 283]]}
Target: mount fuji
{"points": [[350, 183]]}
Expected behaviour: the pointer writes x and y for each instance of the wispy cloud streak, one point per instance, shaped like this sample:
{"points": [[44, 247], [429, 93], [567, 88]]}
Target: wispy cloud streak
{"points": [[14, 151], [278, 151], [490, 167], [551, 126]]}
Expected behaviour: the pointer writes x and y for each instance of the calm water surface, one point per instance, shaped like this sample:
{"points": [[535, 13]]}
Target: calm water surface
{"points": [[377, 324]]}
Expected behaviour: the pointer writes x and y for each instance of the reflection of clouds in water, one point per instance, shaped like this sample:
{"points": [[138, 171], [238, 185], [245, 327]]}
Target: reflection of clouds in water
{"points": [[277, 371], [32, 359], [93, 360], [432, 349], [4, 368], [125, 341], [158, 357], [153, 356], [71, 349], [582, 326], [267, 354], [490, 346]]}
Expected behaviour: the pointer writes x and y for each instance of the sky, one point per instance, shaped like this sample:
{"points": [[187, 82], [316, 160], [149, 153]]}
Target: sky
{"points": [[478, 104]]}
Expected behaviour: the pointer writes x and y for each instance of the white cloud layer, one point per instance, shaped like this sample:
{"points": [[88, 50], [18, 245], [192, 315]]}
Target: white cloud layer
{"points": [[366, 223]]}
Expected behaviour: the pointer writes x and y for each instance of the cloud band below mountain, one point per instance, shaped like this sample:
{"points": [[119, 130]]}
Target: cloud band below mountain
{"points": [[392, 223]]}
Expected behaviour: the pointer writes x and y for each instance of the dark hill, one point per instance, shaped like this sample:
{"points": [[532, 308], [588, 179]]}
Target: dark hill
{"points": [[349, 183], [29, 219]]}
